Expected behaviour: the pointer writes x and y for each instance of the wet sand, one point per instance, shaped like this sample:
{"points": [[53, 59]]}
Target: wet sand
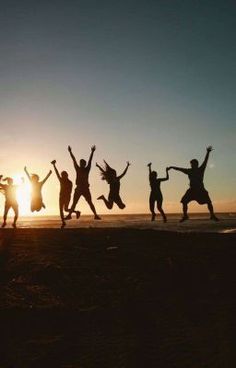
{"points": [[117, 297]]}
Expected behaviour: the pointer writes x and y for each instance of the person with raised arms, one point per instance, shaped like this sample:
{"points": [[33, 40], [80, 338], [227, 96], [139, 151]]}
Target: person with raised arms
{"points": [[9, 191], [156, 194], [65, 193], [82, 183], [36, 190], [197, 191], [111, 177]]}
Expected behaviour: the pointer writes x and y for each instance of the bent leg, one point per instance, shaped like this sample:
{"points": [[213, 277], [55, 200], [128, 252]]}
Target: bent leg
{"points": [[160, 209], [108, 203], [77, 195], [119, 203], [151, 206]]}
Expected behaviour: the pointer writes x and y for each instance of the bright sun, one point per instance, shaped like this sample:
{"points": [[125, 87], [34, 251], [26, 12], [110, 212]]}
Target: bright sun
{"points": [[23, 194]]}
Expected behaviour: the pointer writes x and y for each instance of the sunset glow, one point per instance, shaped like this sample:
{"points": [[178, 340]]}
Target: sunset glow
{"points": [[23, 195]]}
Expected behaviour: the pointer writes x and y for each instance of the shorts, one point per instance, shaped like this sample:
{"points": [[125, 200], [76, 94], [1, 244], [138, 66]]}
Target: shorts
{"points": [[199, 195]]}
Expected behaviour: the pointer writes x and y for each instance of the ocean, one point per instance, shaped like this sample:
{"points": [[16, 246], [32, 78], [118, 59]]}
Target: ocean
{"points": [[197, 223]]}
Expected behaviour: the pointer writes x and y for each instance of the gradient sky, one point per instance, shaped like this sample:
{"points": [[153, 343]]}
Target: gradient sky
{"points": [[143, 80]]}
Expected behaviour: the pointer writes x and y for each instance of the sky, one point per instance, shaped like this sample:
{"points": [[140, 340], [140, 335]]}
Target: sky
{"points": [[143, 80]]}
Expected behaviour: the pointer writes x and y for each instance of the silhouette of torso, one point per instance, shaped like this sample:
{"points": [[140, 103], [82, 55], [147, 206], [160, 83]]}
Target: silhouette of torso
{"points": [[66, 187], [82, 174], [155, 185], [114, 187], [36, 190], [196, 177], [10, 193]]}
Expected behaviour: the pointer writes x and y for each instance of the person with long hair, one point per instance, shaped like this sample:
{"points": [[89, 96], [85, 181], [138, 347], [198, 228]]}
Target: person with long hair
{"points": [[109, 174]]}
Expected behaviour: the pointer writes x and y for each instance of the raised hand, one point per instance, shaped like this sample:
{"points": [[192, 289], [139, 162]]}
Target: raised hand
{"points": [[53, 162], [69, 148], [128, 163], [93, 148], [150, 164], [209, 149]]}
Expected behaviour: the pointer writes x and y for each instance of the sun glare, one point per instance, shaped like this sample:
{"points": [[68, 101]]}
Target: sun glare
{"points": [[23, 194]]}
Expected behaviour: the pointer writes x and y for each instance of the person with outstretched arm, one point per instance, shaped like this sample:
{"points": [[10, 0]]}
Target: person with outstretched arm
{"points": [[197, 191], [111, 177], [156, 194], [82, 183], [65, 193]]}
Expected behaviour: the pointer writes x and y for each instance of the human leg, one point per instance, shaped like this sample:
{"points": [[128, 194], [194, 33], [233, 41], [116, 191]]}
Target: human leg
{"points": [[16, 211], [88, 198], [151, 206], [6, 209], [160, 209], [211, 210], [108, 203], [77, 195]]}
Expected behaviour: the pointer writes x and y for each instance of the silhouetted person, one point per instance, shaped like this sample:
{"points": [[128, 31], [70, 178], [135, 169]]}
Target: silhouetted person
{"points": [[36, 190], [82, 183], [110, 175], [9, 191], [197, 191], [65, 193], [156, 195]]}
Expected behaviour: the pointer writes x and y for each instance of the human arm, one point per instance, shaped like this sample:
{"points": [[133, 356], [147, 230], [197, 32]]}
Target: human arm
{"points": [[167, 175], [203, 165], [100, 168], [27, 173], [125, 170], [46, 177], [181, 169], [93, 148], [56, 171], [73, 158]]}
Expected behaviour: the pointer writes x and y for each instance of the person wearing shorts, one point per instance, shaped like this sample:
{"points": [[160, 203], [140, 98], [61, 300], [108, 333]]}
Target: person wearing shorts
{"points": [[197, 191]]}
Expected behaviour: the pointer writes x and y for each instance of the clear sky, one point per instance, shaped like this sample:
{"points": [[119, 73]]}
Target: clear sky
{"points": [[143, 80]]}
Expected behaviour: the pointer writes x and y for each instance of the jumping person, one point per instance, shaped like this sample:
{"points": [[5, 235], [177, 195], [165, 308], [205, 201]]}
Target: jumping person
{"points": [[36, 192], [65, 193], [9, 191], [156, 195], [109, 174], [197, 191], [82, 183]]}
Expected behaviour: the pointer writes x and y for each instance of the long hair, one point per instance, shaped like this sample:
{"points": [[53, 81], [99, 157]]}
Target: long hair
{"points": [[109, 174]]}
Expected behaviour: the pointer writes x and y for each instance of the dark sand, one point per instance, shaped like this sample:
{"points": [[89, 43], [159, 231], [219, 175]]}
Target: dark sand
{"points": [[112, 298]]}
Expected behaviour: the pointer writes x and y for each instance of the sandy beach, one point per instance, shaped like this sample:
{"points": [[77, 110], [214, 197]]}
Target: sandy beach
{"points": [[117, 297]]}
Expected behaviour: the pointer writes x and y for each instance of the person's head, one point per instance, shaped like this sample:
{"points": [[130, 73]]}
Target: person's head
{"points": [[154, 175], [9, 181], [64, 175], [82, 163], [194, 163], [35, 178]]}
